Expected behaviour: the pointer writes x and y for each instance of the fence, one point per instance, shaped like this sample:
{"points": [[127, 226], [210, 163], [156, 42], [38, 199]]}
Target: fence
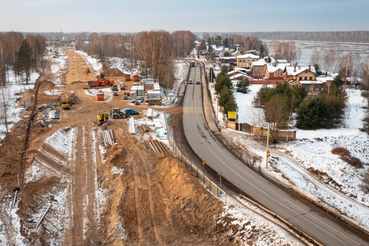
{"points": [[244, 127]]}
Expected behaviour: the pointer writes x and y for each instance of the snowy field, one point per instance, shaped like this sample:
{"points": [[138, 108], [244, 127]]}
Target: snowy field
{"points": [[13, 92], [337, 184]]}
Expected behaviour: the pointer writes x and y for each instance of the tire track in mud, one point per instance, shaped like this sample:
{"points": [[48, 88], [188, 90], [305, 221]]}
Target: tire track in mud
{"points": [[145, 204], [82, 205]]}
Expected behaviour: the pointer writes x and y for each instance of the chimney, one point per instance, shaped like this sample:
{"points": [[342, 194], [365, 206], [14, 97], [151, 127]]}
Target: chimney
{"points": [[309, 67], [268, 59], [275, 63], [294, 69]]}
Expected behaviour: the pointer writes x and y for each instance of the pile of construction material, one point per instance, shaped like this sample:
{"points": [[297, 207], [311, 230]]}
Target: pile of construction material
{"points": [[108, 137], [158, 147], [69, 95]]}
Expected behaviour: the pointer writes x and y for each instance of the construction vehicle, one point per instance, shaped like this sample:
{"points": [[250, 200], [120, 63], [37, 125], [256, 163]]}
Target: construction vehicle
{"points": [[122, 86], [66, 104], [100, 96], [115, 88], [117, 113], [126, 95], [102, 118], [100, 83], [193, 63], [127, 77], [136, 77], [88, 70], [102, 75]]}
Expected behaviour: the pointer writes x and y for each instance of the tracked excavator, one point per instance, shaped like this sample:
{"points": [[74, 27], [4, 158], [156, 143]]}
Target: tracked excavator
{"points": [[102, 118]]}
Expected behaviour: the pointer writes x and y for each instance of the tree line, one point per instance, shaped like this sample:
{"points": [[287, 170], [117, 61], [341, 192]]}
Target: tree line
{"points": [[344, 36], [21, 54], [233, 41], [152, 51]]}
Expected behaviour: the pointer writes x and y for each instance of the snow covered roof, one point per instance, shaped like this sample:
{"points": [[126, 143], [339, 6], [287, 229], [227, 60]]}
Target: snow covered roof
{"points": [[282, 61], [240, 75], [277, 66], [260, 62], [310, 82], [290, 70], [252, 56], [324, 79], [237, 69]]}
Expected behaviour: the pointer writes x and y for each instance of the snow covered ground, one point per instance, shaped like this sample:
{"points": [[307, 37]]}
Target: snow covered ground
{"points": [[13, 92], [338, 184]]}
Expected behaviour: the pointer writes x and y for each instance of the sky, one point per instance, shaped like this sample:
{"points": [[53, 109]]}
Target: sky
{"points": [[170, 15]]}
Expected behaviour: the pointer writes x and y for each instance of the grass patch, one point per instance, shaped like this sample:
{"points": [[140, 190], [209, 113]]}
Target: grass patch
{"points": [[345, 155]]}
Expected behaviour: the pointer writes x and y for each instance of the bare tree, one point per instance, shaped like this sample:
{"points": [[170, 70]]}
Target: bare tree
{"points": [[314, 58], [365, 73], [276, 114], [345, 66]]}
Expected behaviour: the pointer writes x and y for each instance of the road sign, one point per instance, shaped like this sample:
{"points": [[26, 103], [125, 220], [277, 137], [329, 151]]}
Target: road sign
{"points": [[232, 115]]}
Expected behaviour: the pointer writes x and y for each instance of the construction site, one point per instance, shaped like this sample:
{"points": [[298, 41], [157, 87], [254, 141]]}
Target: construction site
{"points": [[72, 175]]}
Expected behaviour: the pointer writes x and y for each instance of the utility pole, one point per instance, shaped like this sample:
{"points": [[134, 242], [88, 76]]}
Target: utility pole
{"points": [[267, 149]]}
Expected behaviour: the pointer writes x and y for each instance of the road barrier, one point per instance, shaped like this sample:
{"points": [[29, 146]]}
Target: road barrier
{"points": [[200, 172], [331, 211]]}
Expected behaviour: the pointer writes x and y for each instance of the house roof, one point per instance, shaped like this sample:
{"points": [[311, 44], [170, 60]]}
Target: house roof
{"points": [[252, 56], [278, 66], [282, 61], [324, 79], [310, 82], [239, 75], [290, 70]]}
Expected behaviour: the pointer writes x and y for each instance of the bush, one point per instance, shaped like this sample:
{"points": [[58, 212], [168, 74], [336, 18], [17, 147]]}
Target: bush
{"points": [[345, 156]]}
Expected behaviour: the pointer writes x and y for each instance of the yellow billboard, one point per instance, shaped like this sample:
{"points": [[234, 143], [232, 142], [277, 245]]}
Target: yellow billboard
{"points": [[232, 115]]}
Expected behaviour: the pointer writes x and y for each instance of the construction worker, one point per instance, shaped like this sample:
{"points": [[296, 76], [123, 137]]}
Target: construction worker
{"points": [[174, 126]]}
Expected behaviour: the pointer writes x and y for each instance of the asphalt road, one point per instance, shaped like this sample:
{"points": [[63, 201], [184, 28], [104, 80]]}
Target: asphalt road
{"points": [[219, 159]]}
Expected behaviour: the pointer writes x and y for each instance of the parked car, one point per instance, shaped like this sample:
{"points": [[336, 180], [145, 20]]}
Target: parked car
{"points": [[198, 82], [129, 111], [122, 86], [190, 81]]}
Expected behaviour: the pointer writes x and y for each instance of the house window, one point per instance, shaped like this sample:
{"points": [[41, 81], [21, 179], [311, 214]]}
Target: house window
{"points": [[300, 78], [311, 87], [311, 78], [281, 74], [276, 74], [306, 78], [317, 88]]}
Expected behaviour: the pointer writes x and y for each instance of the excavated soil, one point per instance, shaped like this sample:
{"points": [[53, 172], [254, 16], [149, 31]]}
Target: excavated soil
{"points": [[132, 198]]}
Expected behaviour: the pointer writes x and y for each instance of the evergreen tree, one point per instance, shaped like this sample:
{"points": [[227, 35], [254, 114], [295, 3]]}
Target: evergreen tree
{"points": [[231, 105], [225, 95], [24, 61], [243, 85]]}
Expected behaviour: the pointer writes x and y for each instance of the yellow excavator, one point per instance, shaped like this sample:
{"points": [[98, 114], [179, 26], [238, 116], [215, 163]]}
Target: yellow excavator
{"points": [[66, 104], [102, 118]]}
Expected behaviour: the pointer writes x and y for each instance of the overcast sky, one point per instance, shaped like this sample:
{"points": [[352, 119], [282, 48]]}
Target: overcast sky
{"points": [[170, 15]]}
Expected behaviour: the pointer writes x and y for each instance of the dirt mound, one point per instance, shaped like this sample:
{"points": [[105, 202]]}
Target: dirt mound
{"points": [[69, 95], [113, 72]]}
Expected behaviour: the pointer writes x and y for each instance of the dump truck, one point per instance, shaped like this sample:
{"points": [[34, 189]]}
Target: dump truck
{"points": [[127, 77], [102, 118], [100, 96], [136, 77], [117, 113], [100, 83], [66, 104]]}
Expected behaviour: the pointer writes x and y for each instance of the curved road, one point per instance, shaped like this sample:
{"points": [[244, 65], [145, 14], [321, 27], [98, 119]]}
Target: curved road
{"points": [[219, 159]]}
